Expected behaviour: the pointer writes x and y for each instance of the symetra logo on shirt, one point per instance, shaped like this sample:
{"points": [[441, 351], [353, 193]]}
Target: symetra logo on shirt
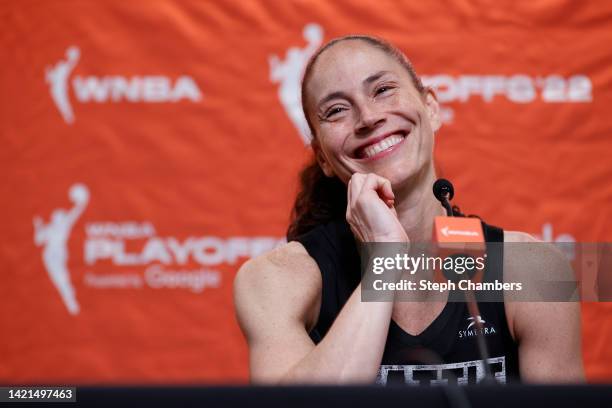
{"points": [[473, 330], [113, 88]]}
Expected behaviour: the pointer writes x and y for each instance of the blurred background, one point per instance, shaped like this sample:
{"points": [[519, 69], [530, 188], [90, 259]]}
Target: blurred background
{"points": [[149, 148]]}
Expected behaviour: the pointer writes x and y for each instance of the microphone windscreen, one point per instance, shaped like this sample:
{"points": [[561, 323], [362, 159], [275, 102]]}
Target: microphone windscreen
{"points": [[441, 187]]}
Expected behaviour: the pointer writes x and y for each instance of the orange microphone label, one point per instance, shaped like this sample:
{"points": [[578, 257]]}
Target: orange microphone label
{"points": [[458, 236], [457, 229]]}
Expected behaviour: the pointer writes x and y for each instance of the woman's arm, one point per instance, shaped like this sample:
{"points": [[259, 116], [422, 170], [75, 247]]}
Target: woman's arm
{"points": [[278, 298], [277, 301], [548, 333]]}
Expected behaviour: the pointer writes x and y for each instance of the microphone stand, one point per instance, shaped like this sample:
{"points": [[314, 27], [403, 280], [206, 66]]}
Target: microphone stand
{"points": [[473, 309]]}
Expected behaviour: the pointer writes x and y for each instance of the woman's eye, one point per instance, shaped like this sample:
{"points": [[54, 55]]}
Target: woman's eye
{"points": [[333, 111], [382, 89]]}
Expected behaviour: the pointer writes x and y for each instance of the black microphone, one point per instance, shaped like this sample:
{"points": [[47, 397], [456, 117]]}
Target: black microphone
{"points": [[443, 190]]}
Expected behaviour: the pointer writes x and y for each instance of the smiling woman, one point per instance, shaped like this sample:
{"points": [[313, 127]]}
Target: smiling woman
{"points": [[300, 305], [322, 197]]}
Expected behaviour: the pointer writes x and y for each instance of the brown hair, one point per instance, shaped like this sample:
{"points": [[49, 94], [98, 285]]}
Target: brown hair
{"points": [[321, 198]]}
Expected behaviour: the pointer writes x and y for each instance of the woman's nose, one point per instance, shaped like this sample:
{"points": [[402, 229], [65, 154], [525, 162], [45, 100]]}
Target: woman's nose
{"points": [[369, 119]]}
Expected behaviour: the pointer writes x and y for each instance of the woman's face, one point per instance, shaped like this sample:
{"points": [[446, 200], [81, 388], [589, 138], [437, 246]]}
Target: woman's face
{"points": [[367, 115]]}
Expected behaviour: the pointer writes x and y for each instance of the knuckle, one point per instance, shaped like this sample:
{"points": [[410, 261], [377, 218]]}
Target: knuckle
{"points": [[358, 176]]}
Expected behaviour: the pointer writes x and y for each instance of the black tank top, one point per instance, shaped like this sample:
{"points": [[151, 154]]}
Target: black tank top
{"points": [[446, 351]]}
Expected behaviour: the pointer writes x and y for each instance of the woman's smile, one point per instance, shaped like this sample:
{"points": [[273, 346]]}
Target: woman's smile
{"points": [[378, 147]]}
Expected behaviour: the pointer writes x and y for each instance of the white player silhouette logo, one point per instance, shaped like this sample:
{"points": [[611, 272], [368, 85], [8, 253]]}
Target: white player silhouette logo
{"points": [[289, 74], [57, 78], [54, 237]]}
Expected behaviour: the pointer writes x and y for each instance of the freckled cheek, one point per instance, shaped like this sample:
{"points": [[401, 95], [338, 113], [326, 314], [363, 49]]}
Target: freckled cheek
{"points": [[334, 135], [406, 103]]}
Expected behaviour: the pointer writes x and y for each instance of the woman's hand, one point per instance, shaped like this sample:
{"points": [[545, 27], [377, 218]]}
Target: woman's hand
{"points": [[370, 211]]}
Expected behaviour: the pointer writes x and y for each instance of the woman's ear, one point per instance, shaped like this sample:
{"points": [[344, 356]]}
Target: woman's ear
{"points": [[433, 109], [321, 159]]}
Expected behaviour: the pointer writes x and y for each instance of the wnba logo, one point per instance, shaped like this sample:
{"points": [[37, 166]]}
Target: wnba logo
{"points": [[133, 255], [288, 73], [113, 88], [53, 237]]}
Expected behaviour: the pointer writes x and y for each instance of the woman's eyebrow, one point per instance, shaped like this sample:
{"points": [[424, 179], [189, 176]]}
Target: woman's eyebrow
{"points": [[341, 95], [333, 95], [374, 77]]}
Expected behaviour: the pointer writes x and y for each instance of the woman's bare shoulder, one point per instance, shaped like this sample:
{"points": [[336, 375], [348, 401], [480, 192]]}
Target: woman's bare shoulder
{"points": [[285, 280], [538, 266], [290, 260], [519, 236], [528, 259]]}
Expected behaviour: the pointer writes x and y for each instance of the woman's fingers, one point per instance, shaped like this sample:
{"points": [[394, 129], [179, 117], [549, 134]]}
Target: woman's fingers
{"points": [[370, 210], [381, 185]]}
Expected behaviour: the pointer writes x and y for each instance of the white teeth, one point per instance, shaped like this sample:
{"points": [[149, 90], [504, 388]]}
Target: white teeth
{"points": [[382, 145]]}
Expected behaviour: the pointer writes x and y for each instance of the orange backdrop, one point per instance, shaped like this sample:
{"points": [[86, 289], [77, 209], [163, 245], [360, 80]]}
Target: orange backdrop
{"points": [[151, 147]]}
